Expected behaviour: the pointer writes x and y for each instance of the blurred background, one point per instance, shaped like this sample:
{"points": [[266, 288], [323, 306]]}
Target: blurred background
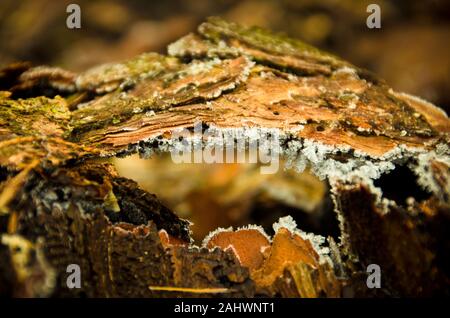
{"points": [[411, 51]]}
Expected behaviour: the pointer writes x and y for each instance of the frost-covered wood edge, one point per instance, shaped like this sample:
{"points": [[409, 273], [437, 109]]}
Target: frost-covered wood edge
{"points": [[341, 121]]}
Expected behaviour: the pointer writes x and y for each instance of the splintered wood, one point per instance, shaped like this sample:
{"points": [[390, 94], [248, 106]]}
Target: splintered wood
{"points": [[60, 205]]}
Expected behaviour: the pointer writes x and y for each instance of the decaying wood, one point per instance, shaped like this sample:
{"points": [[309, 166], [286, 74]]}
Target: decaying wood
{"points": [[59, 205]]}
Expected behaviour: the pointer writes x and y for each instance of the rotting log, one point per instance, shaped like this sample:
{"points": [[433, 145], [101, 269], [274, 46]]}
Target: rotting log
{"points": [[59, 204]]}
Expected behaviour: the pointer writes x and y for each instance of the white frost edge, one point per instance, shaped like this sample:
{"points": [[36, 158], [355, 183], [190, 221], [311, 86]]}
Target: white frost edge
{"points": [[231, 229], [317, 241], [300, 154], [421, 169]]}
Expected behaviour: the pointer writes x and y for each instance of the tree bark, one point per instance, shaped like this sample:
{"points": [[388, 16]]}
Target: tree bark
{"points": [[60, 205]]}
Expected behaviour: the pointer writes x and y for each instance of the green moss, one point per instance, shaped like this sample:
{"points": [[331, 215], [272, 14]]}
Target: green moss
{"points": [[217, 29], [34, 116], [115, 120]]}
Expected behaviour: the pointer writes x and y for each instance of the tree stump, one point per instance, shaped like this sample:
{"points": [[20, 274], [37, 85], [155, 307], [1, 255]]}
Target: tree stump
{"points": [[385, 155]]}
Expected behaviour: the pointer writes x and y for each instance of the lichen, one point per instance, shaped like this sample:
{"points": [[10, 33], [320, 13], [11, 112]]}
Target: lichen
{"points": [[108, 77], [38, 116]]}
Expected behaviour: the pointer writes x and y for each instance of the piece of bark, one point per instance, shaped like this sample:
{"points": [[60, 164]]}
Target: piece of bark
{"points": [[58, 206], [340, 107], [109, 227], [290, 255], [408, 240]]}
